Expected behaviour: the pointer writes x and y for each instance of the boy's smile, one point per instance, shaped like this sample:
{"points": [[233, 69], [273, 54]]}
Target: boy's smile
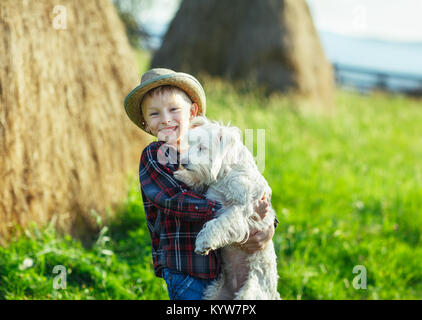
{"points": [[170, 129], [167, 115]]}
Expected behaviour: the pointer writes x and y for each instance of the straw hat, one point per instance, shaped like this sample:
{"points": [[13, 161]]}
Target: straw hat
{"points": [[160, 77]]}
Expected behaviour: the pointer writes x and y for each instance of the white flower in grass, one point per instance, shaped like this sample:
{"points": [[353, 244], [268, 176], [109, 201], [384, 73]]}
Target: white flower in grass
{"points": [[107, 252], [26, 264]]}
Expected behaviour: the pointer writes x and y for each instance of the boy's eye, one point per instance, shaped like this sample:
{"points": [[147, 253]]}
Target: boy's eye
{"points": [[174, 109], [153, 114]]}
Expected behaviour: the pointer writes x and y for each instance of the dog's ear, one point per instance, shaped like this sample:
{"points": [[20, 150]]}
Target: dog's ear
{"points": [[229, 136], [198, 121], [215, 167], [231, 142], [220, 135], [219, 155], [235, 134]]}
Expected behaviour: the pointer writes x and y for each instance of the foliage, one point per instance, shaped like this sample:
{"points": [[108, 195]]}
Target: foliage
{"points": [[127, 9]]}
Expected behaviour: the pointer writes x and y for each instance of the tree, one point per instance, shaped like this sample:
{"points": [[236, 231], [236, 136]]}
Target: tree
{"points": [[127, 10]]}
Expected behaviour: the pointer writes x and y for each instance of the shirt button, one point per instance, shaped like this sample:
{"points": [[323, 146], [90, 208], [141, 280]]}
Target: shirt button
{"points": [[213, 209], [196, 207]]}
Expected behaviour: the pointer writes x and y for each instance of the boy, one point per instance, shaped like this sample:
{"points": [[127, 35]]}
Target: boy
{"points": [[163, 105]]}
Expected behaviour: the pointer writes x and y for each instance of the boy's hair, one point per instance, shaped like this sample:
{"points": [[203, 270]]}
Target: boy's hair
{"points": [[167, 89]]}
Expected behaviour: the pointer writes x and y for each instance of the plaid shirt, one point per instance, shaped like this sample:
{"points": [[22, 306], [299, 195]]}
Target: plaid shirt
{"points": [[174, 215]]}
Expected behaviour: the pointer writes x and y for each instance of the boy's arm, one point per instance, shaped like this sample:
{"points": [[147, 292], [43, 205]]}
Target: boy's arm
{"points": [[167, 194]]}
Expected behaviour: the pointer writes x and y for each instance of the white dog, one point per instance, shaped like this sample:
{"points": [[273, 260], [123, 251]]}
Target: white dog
{"points": [[219, 164]]}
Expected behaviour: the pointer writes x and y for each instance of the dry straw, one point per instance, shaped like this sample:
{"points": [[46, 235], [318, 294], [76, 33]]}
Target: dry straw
{"points": [[66, 145]]}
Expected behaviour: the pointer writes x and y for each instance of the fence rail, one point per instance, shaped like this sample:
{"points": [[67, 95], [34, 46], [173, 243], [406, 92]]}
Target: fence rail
{"points": [[367, 79]]}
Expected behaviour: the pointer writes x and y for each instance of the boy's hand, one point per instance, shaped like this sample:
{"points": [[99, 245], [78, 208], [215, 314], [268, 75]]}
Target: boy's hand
{"points": [[261, 208], [259, 239]]}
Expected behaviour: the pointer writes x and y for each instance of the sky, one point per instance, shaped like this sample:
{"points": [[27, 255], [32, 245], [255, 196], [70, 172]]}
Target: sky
{"points": [[396, 20]]}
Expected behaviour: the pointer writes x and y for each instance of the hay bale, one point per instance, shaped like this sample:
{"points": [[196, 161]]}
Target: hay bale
{"points": [[66, 143], [272, 43]]}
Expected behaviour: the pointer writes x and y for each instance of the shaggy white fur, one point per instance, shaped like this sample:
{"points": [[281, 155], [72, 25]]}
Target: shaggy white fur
{"points": [[219, 164]]}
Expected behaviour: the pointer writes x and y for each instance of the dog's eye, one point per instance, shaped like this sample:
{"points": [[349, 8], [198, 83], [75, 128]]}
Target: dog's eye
{"points": [[200, 148]]}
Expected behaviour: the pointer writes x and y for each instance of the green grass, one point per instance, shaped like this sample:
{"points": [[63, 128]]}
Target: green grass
{"points": [[116, 266], [347, 190]]}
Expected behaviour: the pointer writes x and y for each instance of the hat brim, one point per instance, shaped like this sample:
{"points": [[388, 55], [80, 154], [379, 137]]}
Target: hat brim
{"points": [[178, 79]]}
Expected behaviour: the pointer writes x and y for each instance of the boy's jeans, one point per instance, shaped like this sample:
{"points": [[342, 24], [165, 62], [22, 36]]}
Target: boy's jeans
{"points": [[184, 287]]}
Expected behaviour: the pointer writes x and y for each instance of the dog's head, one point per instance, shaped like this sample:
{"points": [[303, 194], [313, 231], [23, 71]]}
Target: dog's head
{"points": [[213, 150]]}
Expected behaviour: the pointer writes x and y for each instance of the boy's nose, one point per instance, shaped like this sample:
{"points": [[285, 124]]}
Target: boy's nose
{"points": [[166, 118]]}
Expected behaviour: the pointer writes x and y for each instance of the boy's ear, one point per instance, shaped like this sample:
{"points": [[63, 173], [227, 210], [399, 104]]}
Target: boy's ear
{"points": [[147, 129], [193, 110]]}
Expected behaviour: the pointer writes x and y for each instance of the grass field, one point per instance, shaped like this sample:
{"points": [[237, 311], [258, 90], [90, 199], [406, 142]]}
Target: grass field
{"points": [[347, 190]]}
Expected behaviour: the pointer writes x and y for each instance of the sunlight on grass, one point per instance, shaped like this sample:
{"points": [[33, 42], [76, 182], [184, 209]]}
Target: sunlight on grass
{"points": [[347, 190]]}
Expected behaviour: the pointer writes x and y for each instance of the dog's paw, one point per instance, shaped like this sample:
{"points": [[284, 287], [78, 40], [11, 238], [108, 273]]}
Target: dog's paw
{"points": [[179, 174], [202, 247], [203, 252]]}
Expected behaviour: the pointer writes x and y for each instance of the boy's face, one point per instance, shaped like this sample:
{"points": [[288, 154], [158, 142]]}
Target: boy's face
{"points": [[167, 116]]}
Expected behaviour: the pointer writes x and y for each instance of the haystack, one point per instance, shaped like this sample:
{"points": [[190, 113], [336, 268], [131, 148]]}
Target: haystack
{"points": [[268, 42], [66, 145]]}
